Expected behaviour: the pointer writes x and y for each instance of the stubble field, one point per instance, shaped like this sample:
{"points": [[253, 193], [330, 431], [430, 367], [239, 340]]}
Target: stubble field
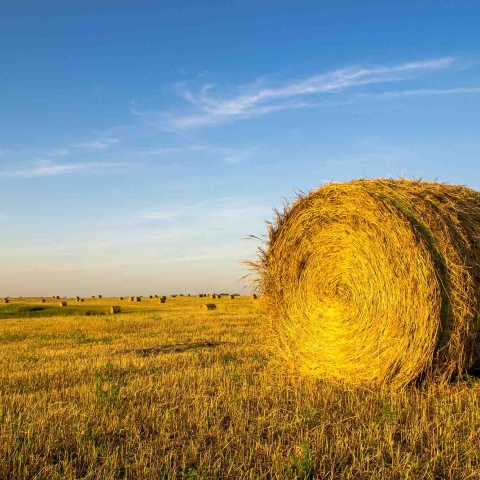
{"points": [[170, 391]]}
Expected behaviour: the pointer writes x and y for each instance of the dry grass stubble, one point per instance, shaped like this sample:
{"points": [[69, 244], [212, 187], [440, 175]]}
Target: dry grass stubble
{"points": [[176, 393]]}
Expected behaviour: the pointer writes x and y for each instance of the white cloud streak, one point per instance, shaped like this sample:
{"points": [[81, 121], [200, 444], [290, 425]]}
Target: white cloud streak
{"points": [[261, 101], [206, 212], [47, 168], [59, 152], [101, 144], [420, 92], [230, 155]]}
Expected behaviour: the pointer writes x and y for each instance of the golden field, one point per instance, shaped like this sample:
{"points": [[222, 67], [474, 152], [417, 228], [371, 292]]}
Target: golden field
{"points": [[172, 391]]}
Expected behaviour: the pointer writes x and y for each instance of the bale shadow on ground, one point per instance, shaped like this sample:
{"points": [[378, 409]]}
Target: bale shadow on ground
{"points": [[173, 347]]}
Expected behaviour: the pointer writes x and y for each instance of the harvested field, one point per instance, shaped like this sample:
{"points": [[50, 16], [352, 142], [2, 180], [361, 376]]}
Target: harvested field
{"points": [[167, 388]]}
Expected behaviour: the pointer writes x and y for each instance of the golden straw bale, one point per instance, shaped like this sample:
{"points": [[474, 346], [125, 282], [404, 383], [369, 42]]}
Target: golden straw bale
{"points": [[162, 300], [121, 298], [115, 309], [81, 300], [58, 297], [232, 297], [375, 281], [209, 306], [137, 299], [6, 300], [43, 300], [253, 296], [132, 299], [99, 296], [63, 304]]}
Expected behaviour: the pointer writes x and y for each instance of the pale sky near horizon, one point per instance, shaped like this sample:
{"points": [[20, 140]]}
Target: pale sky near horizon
{"points": [[141, 142]]}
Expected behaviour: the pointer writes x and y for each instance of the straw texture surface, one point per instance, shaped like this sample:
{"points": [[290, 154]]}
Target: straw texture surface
{"points": [[375, 281]]}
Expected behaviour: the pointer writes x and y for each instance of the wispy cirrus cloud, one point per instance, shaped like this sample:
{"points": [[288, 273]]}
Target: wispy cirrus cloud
{"points": [[101, 144], [258, 100], [230, 155], [59, 152], [47, 168], [205, 212], [420, 92]]}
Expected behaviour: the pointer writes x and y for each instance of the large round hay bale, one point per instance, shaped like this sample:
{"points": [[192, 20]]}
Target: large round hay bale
{"points": [[162, 300], [115, 309], [376, 281]]}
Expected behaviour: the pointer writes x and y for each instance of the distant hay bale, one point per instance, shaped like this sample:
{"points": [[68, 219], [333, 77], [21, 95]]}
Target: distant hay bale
{"points": [[200, 295], [81, 300], [209, 306], [43, 300], [162, 300], [137, 299], [99, 296], [115, 309], [93, 296], [63, 304], [232, 297], [156, 296], [213, 296], [58, 297], [77, 299], [132, 299], [376, 281], [150, 296], [121, 298], [6, 300], [253, 296]]}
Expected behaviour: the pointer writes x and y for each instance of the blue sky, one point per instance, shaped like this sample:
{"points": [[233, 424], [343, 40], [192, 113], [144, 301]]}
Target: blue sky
{"points": [[142, 141]]}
